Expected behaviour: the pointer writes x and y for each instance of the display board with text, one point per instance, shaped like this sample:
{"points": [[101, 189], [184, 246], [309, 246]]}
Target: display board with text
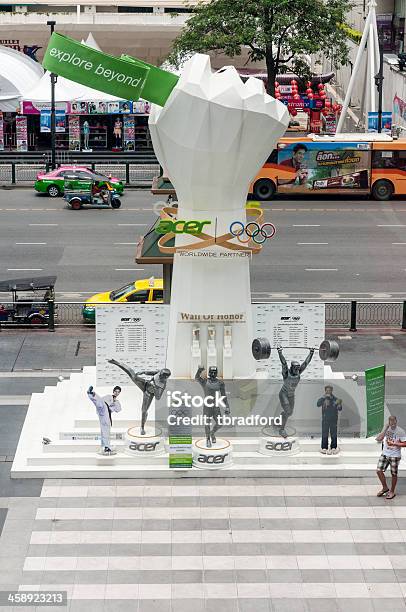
{"points": [[291, 324], [133, 333], [375, 392]]}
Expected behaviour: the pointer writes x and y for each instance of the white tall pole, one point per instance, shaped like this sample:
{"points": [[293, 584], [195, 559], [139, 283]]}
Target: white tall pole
{"points": [[354, 75]]}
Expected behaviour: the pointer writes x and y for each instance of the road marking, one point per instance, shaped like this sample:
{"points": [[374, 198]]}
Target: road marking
{"points": [[399, 243], [43, 224], [386, 337], [30, 242], [125, 243], [344, 337], [321, 269], [24, 269], [129, 269], [305, 243], [391, 225], [133, 224], [306, 225]]}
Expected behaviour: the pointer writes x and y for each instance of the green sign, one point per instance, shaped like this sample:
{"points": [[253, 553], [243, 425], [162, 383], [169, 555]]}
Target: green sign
{"points": [[126, 78], [166, 226], [375, 390]]}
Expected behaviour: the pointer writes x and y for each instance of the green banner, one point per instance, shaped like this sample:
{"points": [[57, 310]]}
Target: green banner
{"points": [[125, 77], [375, 390]]}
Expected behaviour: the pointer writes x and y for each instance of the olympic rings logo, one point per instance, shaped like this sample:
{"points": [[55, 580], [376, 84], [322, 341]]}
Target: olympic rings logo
{"points": [[255, 232]]}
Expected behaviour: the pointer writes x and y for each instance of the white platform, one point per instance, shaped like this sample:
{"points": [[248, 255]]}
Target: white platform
{"points": [[65, 408]]}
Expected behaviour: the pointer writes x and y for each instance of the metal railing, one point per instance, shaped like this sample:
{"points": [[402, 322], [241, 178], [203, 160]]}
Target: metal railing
{"points": [[350, 315], [133, 174]]}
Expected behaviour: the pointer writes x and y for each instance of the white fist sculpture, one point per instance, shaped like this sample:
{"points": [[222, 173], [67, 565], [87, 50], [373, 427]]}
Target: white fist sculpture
{"points": [[212, 136], [214, 133]]}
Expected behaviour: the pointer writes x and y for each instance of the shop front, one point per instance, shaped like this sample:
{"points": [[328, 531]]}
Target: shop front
{"points": [[81, 125]]}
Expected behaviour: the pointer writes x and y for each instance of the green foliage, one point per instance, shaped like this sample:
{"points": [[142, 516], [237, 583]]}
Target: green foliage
{"points": [[277, 31], [352, 34]]}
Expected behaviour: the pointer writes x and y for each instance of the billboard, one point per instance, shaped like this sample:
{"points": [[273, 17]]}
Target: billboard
{"points": [[328, 166]]}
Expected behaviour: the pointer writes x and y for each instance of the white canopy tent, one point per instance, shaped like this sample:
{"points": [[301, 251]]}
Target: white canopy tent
{"points": [[66, 90], [18, 75]]}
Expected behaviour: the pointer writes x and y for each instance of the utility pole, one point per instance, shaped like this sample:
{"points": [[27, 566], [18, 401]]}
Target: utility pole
{"points": [[54, 78]]}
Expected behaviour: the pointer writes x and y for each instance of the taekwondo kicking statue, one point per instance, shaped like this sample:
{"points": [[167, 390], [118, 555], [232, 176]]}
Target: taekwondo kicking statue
{"points": [[213, 388], [151, 388], [104, 407], [291, 379]]}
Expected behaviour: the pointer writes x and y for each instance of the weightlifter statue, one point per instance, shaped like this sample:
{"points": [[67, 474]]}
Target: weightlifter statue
{"points": [[291, 379], [151, 388]]}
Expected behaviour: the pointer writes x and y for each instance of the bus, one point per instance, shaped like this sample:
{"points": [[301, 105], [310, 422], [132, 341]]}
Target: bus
{"points": [[344, 164]]}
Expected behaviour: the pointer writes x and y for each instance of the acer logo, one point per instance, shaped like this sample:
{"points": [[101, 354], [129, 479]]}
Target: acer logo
{"points": [[143, 446], [212, 458], [279, 446]]}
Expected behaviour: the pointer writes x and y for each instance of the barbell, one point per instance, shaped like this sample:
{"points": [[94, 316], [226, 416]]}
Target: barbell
{"points": [[329, 350]]}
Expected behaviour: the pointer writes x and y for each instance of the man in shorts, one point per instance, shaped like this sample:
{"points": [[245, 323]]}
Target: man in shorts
{"points": [[392, 437]]}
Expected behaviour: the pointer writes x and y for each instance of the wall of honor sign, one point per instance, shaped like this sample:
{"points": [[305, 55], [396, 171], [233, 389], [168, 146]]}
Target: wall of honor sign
{"points": [[133, 333], [291, 324]]}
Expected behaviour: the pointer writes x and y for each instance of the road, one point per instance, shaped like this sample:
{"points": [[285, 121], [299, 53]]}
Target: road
{"points": [[335, 249]]}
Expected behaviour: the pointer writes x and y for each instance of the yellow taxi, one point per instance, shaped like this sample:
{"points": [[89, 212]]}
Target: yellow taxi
{"points": [[149, 290]]}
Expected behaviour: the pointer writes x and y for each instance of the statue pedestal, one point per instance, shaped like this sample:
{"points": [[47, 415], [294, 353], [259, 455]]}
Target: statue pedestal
{"points": [[219, 456], [152, 443], [272, 444]]}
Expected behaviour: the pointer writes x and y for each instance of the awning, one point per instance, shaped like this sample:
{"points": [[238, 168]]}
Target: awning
{"points": [[27, 284]]}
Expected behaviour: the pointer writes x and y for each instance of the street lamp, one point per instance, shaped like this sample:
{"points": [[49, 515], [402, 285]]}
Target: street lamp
{"points": [[54, 78], [379, 81]]}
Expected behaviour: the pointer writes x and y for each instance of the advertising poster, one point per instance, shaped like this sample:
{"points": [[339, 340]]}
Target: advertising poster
{"points": [[329, 166], [331, 123], [375, 392], [1, 132], [125, 107], [21, 133], [180, 440], [141, 107], [74, 133], [113, 107], [129, 133], [386, 122], [291, 324], [79, 108], [45, 121]]}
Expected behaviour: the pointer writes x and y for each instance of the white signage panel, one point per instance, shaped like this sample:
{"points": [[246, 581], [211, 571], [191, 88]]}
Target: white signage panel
{"points": [[135, 334], [291, 324]]}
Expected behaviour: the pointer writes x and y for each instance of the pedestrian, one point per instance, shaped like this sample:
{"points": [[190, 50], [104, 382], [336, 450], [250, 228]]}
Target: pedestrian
{"points": [[104, 407], [330, 407], [393, 437]]}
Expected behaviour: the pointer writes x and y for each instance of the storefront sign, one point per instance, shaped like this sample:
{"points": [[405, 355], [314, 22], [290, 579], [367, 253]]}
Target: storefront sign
{"points": [[74, 133], [1, 132], [129, 133], [21, 133], [375, 392], [35, 108]]}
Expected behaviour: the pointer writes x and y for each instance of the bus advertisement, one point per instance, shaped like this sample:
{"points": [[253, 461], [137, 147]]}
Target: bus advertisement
{"points": [[366, 164], [328, 166]]}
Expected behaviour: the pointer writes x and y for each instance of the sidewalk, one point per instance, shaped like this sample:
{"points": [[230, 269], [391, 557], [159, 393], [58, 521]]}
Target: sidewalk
{"points": [[65, 349]]}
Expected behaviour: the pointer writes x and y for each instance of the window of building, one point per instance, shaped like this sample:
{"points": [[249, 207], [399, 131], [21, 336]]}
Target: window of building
{"points": [[135, 9]]}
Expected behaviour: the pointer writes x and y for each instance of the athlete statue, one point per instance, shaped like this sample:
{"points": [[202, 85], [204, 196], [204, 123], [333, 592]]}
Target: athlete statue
{"points": [[291, 379], [214, 388], [104, 407], [152, 387]]}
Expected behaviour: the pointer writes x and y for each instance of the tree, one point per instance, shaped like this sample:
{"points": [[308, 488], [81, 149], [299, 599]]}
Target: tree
{"points": [[277, 31]]}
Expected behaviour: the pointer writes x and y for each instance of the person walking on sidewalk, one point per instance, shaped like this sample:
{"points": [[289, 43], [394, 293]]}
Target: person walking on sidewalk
{"points": [[393, 438], [330, 407]]}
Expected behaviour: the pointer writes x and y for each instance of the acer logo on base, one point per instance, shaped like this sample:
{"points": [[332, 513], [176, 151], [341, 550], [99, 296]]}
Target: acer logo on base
{"points": [[279, 446], [143, 446], [166, 226], [212, 458]]}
